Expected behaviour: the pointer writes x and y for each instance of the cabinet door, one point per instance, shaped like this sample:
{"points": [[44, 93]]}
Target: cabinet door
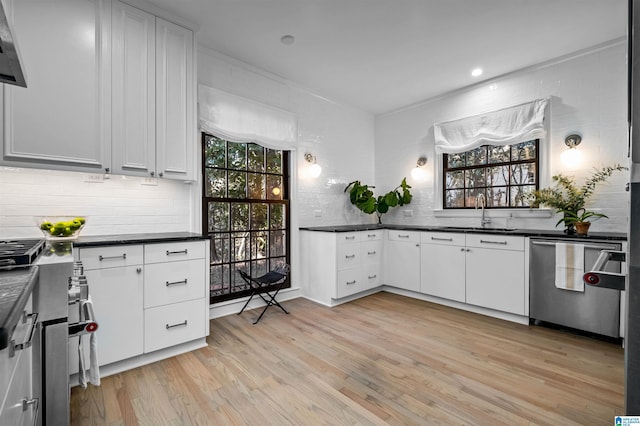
{"points": [[443, 271], [495, 279], [117, 304], [134, 91], [63, 119], [402, 253], [174, 101]]}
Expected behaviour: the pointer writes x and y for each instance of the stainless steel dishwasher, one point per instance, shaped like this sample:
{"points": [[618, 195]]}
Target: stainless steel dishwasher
{"points": [[596, 310]]}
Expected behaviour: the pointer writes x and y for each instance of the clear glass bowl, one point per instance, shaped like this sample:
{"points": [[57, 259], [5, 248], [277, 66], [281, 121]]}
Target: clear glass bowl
{"points": [[60, 228]]}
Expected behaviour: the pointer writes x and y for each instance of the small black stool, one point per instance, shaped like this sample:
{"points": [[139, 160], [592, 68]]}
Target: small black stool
{"points": [[277, 276]]}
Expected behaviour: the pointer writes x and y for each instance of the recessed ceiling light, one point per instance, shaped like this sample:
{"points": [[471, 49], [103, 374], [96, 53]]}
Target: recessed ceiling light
{"points": [[476, 72], [287, 39]]}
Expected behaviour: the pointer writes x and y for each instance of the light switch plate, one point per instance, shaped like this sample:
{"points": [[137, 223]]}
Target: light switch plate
{"points": [[150, 181], [408, 213], [95, 178]]}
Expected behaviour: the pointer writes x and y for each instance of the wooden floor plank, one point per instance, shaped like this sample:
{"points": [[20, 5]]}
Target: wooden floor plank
{"points": [[382, 359]]}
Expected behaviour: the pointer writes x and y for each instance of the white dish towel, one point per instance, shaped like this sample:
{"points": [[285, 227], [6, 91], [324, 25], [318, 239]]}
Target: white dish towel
{"points": [[569, 266], [94, 370]]}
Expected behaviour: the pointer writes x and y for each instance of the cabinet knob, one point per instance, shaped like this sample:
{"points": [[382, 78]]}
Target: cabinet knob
{"points": [[138, 270], [160, 174], [107, 170], [152, 173]]}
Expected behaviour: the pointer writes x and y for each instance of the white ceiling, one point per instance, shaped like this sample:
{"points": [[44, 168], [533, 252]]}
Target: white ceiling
{"points": [[380, 55]]}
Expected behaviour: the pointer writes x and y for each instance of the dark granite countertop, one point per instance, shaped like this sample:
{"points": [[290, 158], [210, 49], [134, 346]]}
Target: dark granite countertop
{"points": [[120, 239], [538, 233], [16, 285]]}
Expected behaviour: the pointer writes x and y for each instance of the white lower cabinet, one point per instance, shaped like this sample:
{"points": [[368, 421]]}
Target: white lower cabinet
{"points": [[442, 263], [146, 297], [402, 260]]}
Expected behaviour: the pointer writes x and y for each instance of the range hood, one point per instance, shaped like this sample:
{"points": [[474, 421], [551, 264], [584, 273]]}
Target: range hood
{"points": [[10, 70]]}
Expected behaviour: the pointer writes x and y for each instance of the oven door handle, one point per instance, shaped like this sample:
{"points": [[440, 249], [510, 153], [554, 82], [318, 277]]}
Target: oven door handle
{"points": [[13, 347]]}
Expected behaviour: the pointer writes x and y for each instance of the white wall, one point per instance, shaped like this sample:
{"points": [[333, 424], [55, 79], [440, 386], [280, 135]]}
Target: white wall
{"points": [[588, 95], [118, 205], [341, 137]]}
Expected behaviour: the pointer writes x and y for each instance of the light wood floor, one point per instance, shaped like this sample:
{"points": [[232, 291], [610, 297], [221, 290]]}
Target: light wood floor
{"points": [[383, 359]]}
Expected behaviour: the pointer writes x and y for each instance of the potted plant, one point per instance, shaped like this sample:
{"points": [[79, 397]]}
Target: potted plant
{"points": [[570, 200], [363, 198]]}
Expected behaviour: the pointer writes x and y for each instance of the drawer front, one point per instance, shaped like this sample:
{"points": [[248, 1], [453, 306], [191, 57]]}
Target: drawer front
{"points": [[445, 238], [349, 282], [111, 256], [493, 241], [372, 276], [166, 283], [348, 237], [373, 235], [173, 252], [20, 388], [372, 252], [8, 364], [171, 325], [349, 256], [409, 236]]}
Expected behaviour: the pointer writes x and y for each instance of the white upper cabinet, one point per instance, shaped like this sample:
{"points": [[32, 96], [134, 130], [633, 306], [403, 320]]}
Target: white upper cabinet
{"points": [[62, 120], [174, 101], [134, 91], [110, 89]]}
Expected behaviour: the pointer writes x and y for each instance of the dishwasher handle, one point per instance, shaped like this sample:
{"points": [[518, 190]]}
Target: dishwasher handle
{"points": [[598, 277]]}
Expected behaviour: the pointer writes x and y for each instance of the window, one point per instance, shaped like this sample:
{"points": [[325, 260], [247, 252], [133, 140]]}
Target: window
{"points": [[245, 212], [505, 175]]}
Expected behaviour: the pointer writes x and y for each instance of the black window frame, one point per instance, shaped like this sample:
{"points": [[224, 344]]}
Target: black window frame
{"points": [[486, 165], [237, 288]]}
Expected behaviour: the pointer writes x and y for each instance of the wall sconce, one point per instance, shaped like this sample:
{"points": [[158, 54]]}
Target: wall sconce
{"points": [[572, 156], [314, 170], [418, 173]]}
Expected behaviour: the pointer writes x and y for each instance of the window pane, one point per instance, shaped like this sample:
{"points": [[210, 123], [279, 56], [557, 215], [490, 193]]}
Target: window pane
{"points": [[498, 175], [524, 151], [218, 217], [274, 187], [454, 198], [455, 180], [237, 185], [259, 244], [256, 158], [276, 216], [214, 152], [477, 156], [239, 216], [216, 181], [219, 283], [256, 186], [259, 268], [274, 161], [240, 246], [277, 243], [236, 282], [522, 174], [471, 194], [497, 197], [259, 216], [520, 195], [220, 249], [499, 154], [475, 177], [236, 154], [456, 160]]}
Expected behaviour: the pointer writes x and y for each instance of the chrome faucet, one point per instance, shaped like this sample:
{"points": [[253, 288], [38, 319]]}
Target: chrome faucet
{"points": [[481, 202]]}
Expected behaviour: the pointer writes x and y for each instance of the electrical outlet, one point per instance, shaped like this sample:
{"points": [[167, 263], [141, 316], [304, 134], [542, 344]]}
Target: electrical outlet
{"points": [[150, 181], [408, 213], [97, 178], [317, 213]]}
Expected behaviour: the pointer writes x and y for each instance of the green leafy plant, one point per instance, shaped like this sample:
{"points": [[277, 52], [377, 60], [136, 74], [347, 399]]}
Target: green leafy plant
{"points": [[569, 199], [363, 198]]}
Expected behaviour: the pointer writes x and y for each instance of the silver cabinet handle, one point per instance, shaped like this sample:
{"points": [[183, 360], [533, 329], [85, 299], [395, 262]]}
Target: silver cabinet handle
{"points": [[403, 236], [169, 284], [371, 252], [185, 251], [462, 249], [182, 324], [503, 243], [371, 235], [13, 347], [372, 276], [101, 257], [353, 237], [35, 402], [349, 256], [441, 239], [351, 282], [138, 270]]}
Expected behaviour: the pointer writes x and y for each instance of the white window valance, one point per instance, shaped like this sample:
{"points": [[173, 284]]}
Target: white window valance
{"points": [[240, 119], [503, 127]]}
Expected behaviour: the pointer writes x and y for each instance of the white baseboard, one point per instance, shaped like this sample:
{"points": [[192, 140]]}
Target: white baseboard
{"points": [[229, 307]]}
